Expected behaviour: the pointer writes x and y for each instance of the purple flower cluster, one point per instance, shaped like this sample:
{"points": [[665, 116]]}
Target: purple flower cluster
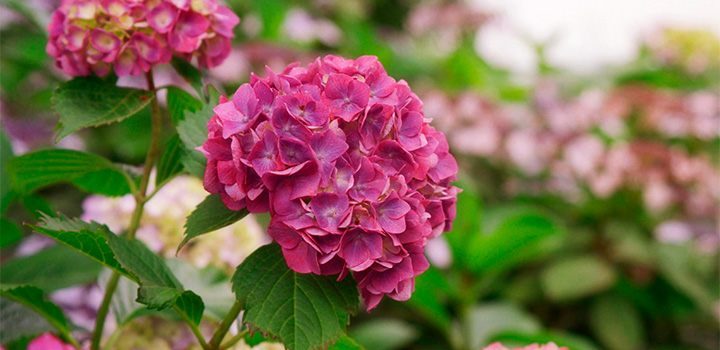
{"points": [[130, 36], [341, 155]]}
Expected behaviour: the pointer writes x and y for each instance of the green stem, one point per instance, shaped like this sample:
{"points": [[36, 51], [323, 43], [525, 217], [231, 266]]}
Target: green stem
{"points": [[140, 200], [231, 316], [235, 338], [194, 328]]}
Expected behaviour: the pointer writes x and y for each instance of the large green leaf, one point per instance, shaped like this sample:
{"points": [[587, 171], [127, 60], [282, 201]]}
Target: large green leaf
{"points": [[51, 269], [576, 277], [510, 236], [34, 299], [88, 238], [304, 311], [210, 215], [617, 323], [91, 102], [679, 264], [9, 233], [90, 172]]}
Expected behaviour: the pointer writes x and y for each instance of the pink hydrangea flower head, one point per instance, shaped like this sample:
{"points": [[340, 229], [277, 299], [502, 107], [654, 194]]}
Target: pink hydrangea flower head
{"points": [[131, 36], [354, 177], [47, 341]]}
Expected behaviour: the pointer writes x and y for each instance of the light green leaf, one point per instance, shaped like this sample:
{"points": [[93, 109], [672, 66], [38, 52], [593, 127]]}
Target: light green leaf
{"points": [[486, 320], [210, 283], [90, 172], [210, 215], [193, 128], [51, 269], [170, 163], [88, 238], [91, 102], [510, 236], [304, 311], [384, 334], [34, 299], [678, 264], [617, 323], [576, 277]]}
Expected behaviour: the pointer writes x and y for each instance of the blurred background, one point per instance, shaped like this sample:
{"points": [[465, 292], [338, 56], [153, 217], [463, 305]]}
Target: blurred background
{"points": [[588, 135]]}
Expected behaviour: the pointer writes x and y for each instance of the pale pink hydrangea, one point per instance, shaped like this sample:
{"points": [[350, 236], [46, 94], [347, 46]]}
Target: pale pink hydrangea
{"points": [[131, 36], [341, 155]]}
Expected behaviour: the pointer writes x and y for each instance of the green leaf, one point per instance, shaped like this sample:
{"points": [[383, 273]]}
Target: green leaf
{"points": [[616, 322], [19, 321], [576, 277], [34, 299], [486, 320], [569, 341], [9, 234], [51, 269], [192, 306], [88, 238], [511, 236], [91, 102], [346, 343], [304, 311], [210, 283], [431, 290], [6, 154], [87, 171], [465, 226], [384, 334], [193, 128], [179, 102], [170, 163], [678, 264], [210, 215]]}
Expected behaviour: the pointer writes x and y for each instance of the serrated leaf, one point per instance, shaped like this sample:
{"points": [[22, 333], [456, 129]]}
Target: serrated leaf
{"points": [[88, 238], [19, 321], [34, 299], [90, 102], [193, 128], [170, 163], [210, 215], [576, 277], [617, 323], [51, 269], [87, 171], [304, 311], [180, 101]]}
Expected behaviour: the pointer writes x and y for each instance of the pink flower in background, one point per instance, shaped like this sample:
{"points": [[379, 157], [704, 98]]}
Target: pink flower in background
{"points": [[131, 36], [548, 346], [47, 341], [340, 154]]}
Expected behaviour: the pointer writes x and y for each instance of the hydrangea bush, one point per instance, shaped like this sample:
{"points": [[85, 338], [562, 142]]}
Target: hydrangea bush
{"points": [[342, 156]]}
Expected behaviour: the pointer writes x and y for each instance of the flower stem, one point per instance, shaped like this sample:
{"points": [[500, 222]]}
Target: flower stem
{"points": [[232, 341], [231, 316], [140, 199]]}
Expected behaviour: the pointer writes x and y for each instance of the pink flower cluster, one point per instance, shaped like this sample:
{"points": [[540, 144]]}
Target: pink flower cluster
{"points": [[341, 155], [130, 36]]}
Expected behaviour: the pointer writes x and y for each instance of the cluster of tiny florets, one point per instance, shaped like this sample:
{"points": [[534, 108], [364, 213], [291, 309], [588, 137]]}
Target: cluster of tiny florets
{"points": [[341, 155], [131, 36]]}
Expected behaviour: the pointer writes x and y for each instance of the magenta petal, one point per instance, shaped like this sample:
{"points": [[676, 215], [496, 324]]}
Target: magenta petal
{"points": [[104, 41], [293, 152], [162, 17], [360, 249], [329, 210]]}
